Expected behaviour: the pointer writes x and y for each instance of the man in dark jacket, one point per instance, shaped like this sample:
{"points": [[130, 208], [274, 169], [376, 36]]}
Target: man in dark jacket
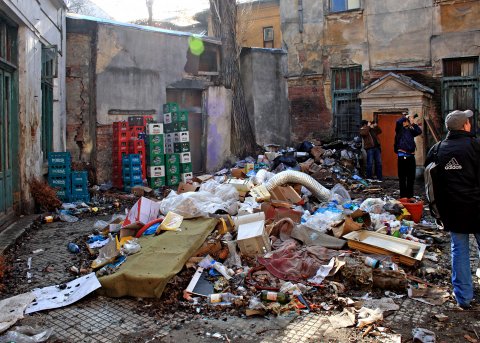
{"points": [[457, 193], [405, 132], [369, 132]]}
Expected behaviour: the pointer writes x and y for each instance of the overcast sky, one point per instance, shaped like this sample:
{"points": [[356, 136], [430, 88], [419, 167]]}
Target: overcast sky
{"points": [[129, 10]]}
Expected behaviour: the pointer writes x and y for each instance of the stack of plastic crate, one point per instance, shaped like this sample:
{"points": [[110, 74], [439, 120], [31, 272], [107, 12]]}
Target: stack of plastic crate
{"points": [[121, 137], [59, 169], [132, 171], [177, 142], [80, 186], [137, 146], [154, 143]]}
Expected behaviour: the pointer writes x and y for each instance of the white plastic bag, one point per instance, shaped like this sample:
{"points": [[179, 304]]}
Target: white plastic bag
{"points": [[339, 194], [373, 205], [321, 221]]}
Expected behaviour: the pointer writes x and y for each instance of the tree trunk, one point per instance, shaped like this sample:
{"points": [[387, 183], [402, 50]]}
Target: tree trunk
{"points": [[150, 11], [224, 23]]}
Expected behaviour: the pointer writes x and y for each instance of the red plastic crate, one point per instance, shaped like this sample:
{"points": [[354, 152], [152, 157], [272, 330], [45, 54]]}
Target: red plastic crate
{"points": [[136, 130], [121, 136], [117, 156], [139, 120], [136, 146], [121, 126]]}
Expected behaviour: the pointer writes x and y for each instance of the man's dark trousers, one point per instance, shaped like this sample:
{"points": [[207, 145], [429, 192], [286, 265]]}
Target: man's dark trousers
{"points": [[406, 175]]}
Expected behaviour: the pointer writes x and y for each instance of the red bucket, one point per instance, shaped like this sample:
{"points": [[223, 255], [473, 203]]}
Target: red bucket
{"points": [[414, 207]]}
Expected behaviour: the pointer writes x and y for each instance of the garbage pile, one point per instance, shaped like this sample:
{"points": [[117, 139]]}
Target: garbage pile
{"points": [[273, 240]]}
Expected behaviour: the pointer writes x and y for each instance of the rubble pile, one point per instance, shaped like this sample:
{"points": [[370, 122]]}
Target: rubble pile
{"points": [[287, 237]]}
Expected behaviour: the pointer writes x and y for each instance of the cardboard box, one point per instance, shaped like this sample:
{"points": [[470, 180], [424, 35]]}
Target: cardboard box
{"points": [[286, 194], [240, 185], [169, 148], [277, 213], [181, 137], [180, 126], [154, 140], [185, 157], [170, 107], [173, 169], [156, 171], [186, 177], [181, 147], [168, 117], [173, 180], [202, 178], [140, 191], [154, 151], [238, 173], [252, 239], [155, 129], [260, 193], [187, 187], [168, 128]]}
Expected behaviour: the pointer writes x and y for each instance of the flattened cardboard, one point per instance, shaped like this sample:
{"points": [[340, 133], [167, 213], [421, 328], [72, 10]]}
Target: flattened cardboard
{"points": [[260, 193], [140, 191], [286, 193], [238, 173], [187, 187], [408, 252], [202, 178]]}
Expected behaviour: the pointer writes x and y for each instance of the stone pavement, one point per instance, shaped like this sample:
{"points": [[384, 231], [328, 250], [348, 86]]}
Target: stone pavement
{"points": [[101, 319]]}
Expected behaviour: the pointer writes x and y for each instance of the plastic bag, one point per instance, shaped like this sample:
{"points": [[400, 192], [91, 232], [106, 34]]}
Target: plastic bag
{"points": [[65, 217], [131, 247], [321, 221], [373, 205], [26, 334], [100, 224], [379, 220], [339, 194], [233, 259], [202, 203]]}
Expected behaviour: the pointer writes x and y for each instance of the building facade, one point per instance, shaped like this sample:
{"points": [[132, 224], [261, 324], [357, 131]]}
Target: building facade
{"points": [[422, 54], [32, 101]]}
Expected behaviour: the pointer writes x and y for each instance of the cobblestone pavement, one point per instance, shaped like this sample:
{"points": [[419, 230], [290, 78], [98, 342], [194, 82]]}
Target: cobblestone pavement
{"points": [[101, 319]]}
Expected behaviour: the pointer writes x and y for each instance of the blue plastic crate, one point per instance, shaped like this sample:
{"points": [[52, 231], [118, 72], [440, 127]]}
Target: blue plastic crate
{"points": [[131, 160], [132, 179], [64, 194], [79, 177], [59, 159], [59, 181], [79, 190], [132, 169], [62, 171]]}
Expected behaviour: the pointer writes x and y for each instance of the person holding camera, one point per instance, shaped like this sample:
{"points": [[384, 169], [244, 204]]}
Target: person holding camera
{"points": [[369, 132], [405, 131]]}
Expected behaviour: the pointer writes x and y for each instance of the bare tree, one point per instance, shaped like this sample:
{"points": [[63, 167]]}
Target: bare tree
{"points": [[86, 7], [224, 25], [150, 11]]}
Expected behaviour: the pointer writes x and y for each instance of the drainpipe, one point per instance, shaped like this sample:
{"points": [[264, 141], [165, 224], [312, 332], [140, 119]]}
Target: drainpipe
{"points": [[300, 16]]}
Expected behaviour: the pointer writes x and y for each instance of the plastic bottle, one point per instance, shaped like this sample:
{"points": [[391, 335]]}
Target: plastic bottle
{"points": [[223, 298], [222, 270], [73, 248], [279, 297]]}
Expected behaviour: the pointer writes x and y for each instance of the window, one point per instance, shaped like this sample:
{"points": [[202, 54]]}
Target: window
{"points": [[344, 5], [346, 84], [207, 63], [49, 72], [460, 85], [8, 43], [268, 37]]}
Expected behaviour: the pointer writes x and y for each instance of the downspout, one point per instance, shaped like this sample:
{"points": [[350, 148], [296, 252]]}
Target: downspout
{"points": [[300, 16]]}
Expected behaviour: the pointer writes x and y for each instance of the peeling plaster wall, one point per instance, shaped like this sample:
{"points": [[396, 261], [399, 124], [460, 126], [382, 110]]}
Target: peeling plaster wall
{"points": [[265, 88], [39, 23], [219, 108]]}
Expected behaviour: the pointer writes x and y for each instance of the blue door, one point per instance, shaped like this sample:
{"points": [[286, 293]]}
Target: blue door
{"points": [[6, 133]]}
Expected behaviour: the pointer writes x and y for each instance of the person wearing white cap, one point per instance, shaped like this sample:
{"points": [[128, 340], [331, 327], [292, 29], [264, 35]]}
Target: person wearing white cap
{"points": [[457, 194]]}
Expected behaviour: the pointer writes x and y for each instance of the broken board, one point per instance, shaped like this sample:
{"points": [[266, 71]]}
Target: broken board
{"points": [[408, 252]]}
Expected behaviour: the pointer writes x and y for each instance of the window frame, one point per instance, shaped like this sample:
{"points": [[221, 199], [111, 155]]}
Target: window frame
{"points": [[49, 72], [269, 41], [331, 11]]}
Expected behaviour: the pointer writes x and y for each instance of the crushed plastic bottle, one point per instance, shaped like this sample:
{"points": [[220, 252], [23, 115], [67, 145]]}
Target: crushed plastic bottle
{"points": [[73, 248], [223, 298]]}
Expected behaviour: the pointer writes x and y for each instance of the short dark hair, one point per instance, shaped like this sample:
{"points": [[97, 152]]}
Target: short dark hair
{"points": [[364, 122]]}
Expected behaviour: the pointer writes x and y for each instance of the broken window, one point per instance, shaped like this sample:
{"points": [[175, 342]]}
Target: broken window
{"points": [[268, 34], [460, 87], [346, 84], [205, 63], [344, 5], [8, 42]]}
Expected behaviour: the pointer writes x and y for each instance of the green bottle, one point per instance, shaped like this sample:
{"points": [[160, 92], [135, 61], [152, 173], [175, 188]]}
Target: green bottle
{"points": [[279, 297]]}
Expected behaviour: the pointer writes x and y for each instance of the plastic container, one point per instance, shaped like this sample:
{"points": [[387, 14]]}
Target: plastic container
{"points": [[73, 248], [415, 208]]}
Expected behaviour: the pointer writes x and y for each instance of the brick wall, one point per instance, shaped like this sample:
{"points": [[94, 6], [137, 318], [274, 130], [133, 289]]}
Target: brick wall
{"points": [[310, 115]]}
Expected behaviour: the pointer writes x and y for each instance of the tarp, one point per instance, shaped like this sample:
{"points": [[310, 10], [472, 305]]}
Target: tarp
{"points": [[146, 273]]}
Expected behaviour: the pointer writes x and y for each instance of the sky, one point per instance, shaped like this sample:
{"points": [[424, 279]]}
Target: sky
{"points": [[129, 10]]}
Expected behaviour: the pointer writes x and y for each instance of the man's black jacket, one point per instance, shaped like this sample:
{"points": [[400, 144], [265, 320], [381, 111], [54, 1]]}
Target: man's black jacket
{"points": [[458, 190]]}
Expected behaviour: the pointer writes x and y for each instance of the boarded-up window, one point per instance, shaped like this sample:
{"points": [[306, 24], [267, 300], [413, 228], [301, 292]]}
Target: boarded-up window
{"points": [[460, 67]]}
